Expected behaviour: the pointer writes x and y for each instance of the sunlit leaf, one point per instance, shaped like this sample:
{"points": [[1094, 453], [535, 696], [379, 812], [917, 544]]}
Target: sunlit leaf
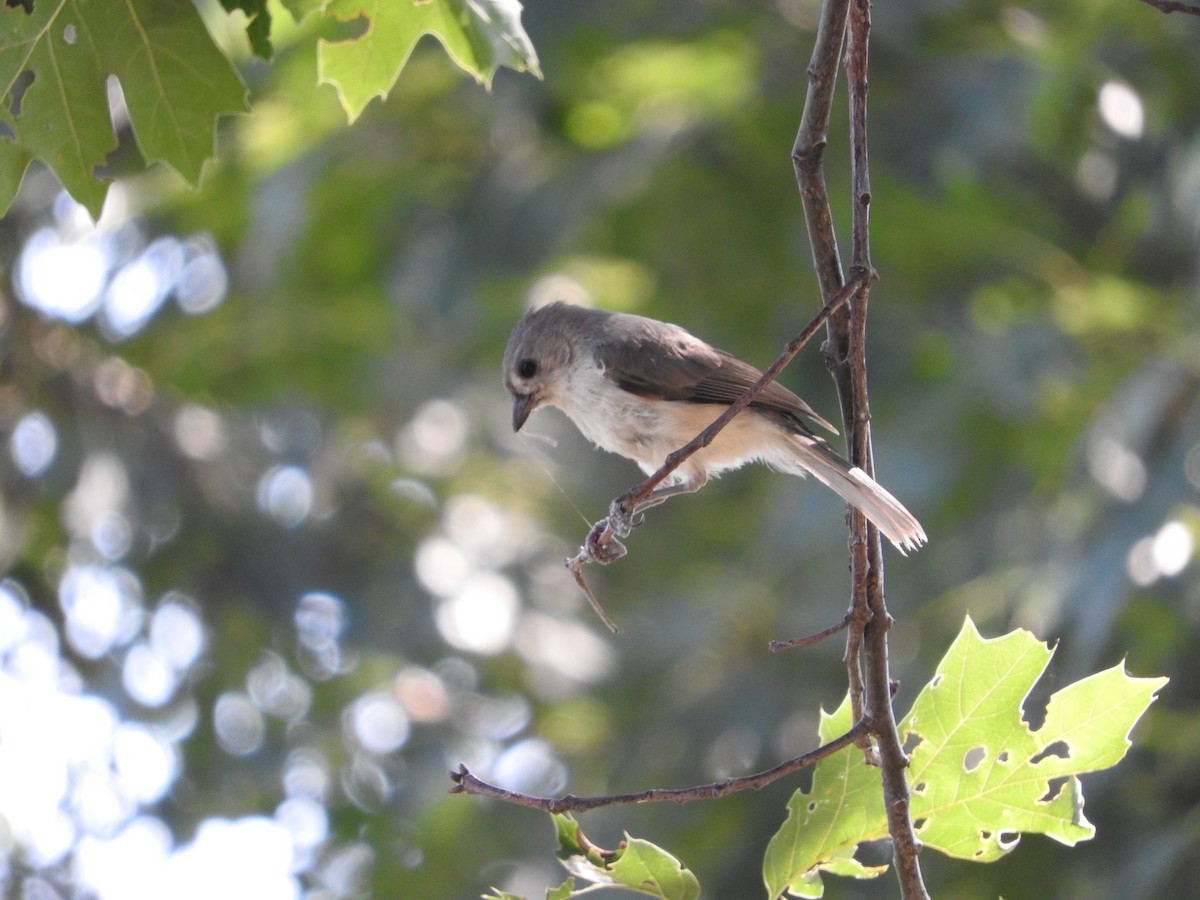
{"points": [[258, 28], [636, 865], [825, 825], [564, 891], [980, 776], [479, 35]]}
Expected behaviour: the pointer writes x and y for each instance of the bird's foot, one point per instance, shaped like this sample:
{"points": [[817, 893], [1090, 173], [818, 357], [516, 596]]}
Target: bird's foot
{"points": [[602, 545], [621, 517]]}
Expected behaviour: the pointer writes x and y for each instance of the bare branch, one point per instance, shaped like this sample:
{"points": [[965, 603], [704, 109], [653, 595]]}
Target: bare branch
{"points": [[808, 151], [809, 640], [466, 783], [866, 547], [1170, 6]]}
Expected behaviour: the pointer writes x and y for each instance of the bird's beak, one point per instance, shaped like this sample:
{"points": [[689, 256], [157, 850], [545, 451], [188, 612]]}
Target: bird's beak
{"points": [[523, 405]]}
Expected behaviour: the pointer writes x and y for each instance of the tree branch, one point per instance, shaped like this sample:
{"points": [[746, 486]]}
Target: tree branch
{"points": [[1170, 6], [466, 783], [808, 160], [868, 551], [808, 151], [867, 621]]}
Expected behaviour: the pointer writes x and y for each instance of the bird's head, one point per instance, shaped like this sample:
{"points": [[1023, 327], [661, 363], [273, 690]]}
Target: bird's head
{"points": [[538, 358]]}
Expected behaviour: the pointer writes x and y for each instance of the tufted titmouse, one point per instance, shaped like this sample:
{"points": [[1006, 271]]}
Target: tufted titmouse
{"points": [[642, 388]]}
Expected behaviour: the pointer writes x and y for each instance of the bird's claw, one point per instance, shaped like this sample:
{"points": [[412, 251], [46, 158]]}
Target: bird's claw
{"points": [[602, 545], [620, 519]]}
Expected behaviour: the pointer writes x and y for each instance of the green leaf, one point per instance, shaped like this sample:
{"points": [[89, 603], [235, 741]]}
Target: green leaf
{"points": [[979, 775], [301, 8], [479, 35], [636, 865], [258, 26], [175, 81], [14, 160], [825, 826], [564, 891]]}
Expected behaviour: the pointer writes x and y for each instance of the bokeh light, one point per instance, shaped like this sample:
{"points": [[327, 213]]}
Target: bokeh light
{"points": [[73, 270], [320, 620], [199, 432], [434, 442], [239, 724], [530, 766], [285, 493], [140, 287], [74, 774], [64, 278], [276, 690], [378, 723], [102, 606], [33, 444], [482, 616], [1121, 109]]}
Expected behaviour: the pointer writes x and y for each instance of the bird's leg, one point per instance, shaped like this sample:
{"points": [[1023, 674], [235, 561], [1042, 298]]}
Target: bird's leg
{"points": [[623, 510]]}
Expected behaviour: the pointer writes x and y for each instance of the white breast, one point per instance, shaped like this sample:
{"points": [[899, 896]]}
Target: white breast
{"points": [[647, 430]]}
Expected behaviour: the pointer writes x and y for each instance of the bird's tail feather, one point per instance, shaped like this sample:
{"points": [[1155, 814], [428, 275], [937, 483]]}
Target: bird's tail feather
{"points": [[858, 489]]}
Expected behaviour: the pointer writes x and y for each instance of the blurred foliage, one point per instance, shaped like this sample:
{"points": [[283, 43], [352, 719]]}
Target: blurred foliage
{"points": [[321, 462]]}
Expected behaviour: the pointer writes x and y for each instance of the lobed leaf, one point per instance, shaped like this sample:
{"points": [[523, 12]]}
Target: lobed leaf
{"points": [[636, 865], [980, 776], [479, 35], [54, 66], [258, 24]]}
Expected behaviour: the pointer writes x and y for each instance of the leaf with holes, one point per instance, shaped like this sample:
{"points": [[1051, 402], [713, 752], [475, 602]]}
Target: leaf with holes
{"points": [[636, 865], [980, 776], [825, 825], [564, 891], [54, 65], [479, 35]]}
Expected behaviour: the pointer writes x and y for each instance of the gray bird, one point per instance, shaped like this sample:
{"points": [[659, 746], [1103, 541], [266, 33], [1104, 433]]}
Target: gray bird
{"points": [[643, 388]]}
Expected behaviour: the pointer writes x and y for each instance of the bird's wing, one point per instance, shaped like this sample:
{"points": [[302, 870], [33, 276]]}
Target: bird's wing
{"points": [[661, 361]]}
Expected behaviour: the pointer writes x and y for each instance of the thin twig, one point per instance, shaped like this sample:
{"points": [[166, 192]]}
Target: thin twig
{"points": [[676, 458], [808, 151], [1170, 6], [466, 783], [809, 640]]}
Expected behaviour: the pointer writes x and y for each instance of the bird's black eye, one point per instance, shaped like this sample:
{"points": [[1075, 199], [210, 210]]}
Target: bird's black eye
{"points": [[527, 368]]}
